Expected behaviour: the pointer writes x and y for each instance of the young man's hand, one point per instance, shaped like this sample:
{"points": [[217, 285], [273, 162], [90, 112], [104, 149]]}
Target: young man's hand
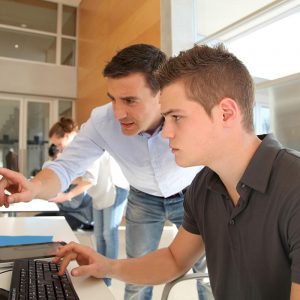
{"points": [[90, 262]]}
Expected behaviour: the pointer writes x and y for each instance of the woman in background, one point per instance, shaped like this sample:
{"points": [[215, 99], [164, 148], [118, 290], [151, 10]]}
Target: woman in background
{"points": [[74, 203]]}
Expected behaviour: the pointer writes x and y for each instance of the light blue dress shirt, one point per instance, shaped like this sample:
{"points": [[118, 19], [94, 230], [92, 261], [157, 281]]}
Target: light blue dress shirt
{"points": [[146, 160]]}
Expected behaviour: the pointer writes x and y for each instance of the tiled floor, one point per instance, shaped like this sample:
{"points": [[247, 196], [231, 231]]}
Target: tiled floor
{"points": [[182, 291]]}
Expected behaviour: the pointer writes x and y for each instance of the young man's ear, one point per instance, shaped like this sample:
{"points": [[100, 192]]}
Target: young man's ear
{"points": [[229, 110]]}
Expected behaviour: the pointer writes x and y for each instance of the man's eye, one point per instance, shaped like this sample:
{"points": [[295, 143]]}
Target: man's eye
{"points": [[176, 118], [129, 101]]}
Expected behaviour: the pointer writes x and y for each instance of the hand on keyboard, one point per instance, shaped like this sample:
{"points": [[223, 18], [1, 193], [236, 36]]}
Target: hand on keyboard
{"points": [[90, 262]]}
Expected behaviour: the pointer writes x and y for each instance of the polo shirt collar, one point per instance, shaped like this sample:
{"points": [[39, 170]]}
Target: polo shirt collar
{"points": [[214, 182], [258, 171], [262, 160]]}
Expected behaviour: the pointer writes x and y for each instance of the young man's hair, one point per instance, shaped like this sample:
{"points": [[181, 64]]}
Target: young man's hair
{"points": [[139, 58], [211, 74], [63, 126]]}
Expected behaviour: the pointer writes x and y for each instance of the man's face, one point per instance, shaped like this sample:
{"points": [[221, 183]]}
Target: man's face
{"points": [[191, 132], [134, 105]]}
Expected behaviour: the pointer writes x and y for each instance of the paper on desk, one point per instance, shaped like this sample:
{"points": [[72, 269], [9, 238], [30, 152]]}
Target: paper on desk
{"points": [[7, 240]]}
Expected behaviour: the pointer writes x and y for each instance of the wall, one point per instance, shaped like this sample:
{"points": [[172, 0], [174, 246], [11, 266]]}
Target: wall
{"points": [[104, 27], [25, 77], [178, 31]]}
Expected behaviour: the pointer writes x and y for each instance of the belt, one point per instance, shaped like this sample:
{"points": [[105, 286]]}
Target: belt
{"points": [[178, 194]]}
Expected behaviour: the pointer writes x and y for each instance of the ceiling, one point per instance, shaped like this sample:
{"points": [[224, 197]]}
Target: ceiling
{"points": [[257, 32], [211, 16]]}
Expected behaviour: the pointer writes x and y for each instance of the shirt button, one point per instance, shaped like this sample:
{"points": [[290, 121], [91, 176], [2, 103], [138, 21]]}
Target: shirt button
{"points": [[231, 222]]}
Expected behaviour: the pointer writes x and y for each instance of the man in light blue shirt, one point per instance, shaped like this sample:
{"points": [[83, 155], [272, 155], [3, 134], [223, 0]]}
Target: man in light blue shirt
{"points": [[129, 128]]}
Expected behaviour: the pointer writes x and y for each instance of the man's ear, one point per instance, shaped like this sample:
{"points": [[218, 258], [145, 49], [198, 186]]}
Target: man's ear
{"points": [[229, 110]]}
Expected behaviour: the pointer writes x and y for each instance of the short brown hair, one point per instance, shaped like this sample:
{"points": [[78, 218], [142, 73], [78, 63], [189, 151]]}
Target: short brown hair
{"points": [[211, 74], [138, 58], [63, 126]]}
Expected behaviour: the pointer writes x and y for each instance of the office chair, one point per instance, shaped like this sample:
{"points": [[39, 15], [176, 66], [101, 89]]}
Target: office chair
{"points": [[170, 285]]}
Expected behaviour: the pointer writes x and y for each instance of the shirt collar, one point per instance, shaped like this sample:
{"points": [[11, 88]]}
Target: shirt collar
{"points": [[258, 171], [157, 130]]}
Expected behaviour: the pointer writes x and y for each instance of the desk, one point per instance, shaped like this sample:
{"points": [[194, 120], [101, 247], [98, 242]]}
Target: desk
{"points": [[86, 287], [35, 205]]}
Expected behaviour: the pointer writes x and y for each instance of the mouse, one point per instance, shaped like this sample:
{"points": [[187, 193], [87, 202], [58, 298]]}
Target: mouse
{"points": [[3, 294]]}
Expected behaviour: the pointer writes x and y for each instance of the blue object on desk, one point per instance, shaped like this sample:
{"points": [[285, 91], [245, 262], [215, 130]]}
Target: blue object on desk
{"points": [[7, 240]]}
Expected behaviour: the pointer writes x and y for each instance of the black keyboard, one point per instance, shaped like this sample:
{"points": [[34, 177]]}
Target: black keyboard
{"points": [[38, 280]]}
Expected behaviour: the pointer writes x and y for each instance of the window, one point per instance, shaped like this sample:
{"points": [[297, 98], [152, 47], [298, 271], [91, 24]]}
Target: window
{"points": [[267, 41], [38, 30], [65, 109], [24, 127], [33, 14]]}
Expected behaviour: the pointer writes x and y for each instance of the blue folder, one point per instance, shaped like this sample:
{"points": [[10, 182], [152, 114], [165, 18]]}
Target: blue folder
{"points": [[7, 240]]}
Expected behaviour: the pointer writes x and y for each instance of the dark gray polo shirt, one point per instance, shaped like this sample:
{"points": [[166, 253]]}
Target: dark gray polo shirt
{"points": [[252, 249]]}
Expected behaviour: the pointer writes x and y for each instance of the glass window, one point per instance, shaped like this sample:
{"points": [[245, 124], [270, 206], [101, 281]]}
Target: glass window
{"points": [[65, 109], [29, 30], [69, 21], [32, 14], [37, 135], [271, 51], [279, 108], [262, 119], [25, 45], [9, 134], [68, 52], [268, 44]]}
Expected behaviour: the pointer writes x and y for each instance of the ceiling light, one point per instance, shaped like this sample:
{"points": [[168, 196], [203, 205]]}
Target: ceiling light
{"points": [[16, 46], [24, 25]]}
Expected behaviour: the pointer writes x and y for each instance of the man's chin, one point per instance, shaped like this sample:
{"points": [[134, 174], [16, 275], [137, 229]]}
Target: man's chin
{"points": [[129, 132], [181, 162]]}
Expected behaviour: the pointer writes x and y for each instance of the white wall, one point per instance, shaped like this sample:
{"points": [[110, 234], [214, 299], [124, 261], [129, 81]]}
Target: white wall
{"points": [[22, 77], [178, 31]]}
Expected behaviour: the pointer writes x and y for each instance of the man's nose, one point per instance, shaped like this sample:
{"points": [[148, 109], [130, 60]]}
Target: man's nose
{"points": [[167, 132], [119, 110]]}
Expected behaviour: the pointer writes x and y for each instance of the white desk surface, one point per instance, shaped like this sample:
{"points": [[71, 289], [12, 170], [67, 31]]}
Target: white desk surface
{"points": [[33, 206], [86, 287]]}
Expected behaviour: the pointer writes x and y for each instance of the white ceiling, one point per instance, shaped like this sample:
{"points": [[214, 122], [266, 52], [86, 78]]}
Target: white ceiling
{"points": [[260, 41], [214, 15], [272, 51]]}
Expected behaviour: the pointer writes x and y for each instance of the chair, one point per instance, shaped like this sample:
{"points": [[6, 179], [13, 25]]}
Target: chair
{"points": [[170, 285]]}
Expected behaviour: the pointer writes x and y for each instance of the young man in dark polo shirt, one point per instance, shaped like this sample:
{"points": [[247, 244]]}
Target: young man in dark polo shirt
{"points": [[244, 206]]}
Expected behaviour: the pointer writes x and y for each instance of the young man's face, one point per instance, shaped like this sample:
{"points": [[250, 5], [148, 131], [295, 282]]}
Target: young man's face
{"points": [[134, 105], [189, 129]]}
